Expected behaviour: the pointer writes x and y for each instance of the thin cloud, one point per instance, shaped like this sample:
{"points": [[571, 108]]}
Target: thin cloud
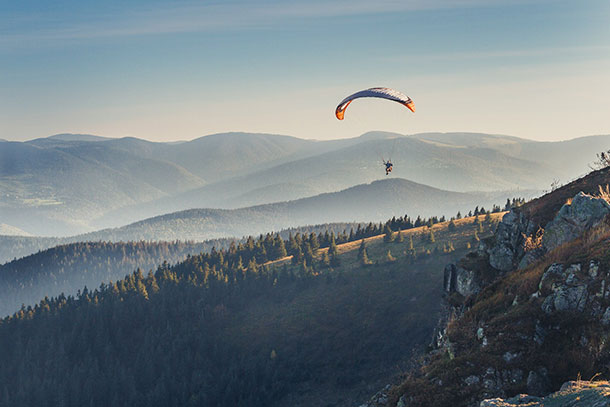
{"points": [[199, 17]]}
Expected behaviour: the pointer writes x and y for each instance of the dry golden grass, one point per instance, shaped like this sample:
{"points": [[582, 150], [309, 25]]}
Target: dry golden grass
{"points": [[604, 193], [442, 227]]}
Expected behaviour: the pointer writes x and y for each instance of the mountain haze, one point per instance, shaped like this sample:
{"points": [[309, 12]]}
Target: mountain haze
{"points": [[72, 183], [374, 202]]}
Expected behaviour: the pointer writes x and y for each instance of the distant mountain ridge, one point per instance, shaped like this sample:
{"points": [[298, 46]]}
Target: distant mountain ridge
{"points": [[69, 183]]}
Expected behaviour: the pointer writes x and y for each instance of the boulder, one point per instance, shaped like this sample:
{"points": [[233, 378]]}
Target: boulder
{"points": [[584, 212], [568, 291]]}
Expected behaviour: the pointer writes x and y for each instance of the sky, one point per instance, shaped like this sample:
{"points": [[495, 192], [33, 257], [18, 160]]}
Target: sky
{"points": [[178, 70]]}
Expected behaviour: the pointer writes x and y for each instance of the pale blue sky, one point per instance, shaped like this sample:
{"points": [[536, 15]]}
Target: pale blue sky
{"points": [[164, 70]]}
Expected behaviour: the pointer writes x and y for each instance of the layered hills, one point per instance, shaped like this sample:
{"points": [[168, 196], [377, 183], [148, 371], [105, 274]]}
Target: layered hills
{"points": [[71, 184], [374, 202]]}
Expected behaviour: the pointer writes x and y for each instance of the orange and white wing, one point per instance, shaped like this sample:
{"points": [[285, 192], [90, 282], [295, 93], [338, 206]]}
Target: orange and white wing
{"points": [[383, 93]]}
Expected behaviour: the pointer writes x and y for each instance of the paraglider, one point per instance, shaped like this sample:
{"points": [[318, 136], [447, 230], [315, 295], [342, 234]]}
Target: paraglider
{"points": [[388, 166], [383, 93]]}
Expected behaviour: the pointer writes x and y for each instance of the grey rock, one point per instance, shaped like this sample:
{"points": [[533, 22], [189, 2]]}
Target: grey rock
{"points": [[462, 281], [531, 257], [508, 233], [555, 269], [566, 299], [501, 257], [584, 212], [509, 237]]}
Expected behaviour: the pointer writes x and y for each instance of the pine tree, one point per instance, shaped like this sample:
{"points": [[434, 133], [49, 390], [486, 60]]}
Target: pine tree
{"points": [[280, 247], [400, 238], [332, 252], [451, 227], [362, 254], [389, 235], [313, 241]]}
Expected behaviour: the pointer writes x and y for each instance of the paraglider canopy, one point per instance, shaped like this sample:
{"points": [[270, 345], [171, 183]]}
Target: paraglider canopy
{"points": [[383, 93]]}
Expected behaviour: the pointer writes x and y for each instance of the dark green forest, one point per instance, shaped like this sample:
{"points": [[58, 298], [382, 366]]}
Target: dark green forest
{"points": [[218, 329], [241, 326], [68, 268]]}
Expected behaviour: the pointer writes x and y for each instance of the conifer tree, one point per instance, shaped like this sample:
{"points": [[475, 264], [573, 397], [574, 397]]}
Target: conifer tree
{"points": [[362, 254], [313, 241], [389, 235], [400, 238]]}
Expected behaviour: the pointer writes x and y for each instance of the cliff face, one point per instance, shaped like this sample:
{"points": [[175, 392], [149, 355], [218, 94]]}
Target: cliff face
{"points": [[528, 310]]}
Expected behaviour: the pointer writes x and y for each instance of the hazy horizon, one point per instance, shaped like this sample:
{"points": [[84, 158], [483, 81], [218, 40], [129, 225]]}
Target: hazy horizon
{"points": [[177, 71], [290, 135]]}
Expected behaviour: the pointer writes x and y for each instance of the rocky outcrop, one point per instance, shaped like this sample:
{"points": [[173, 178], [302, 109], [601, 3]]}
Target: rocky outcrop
{"points": [[571, 394], [507, 250], [509, 324], [567, 288], [461, 281], [573, 219]]}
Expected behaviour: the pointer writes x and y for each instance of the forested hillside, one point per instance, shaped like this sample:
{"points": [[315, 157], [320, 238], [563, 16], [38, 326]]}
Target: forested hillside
{"points": [[68, 268], [246, 326]]}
